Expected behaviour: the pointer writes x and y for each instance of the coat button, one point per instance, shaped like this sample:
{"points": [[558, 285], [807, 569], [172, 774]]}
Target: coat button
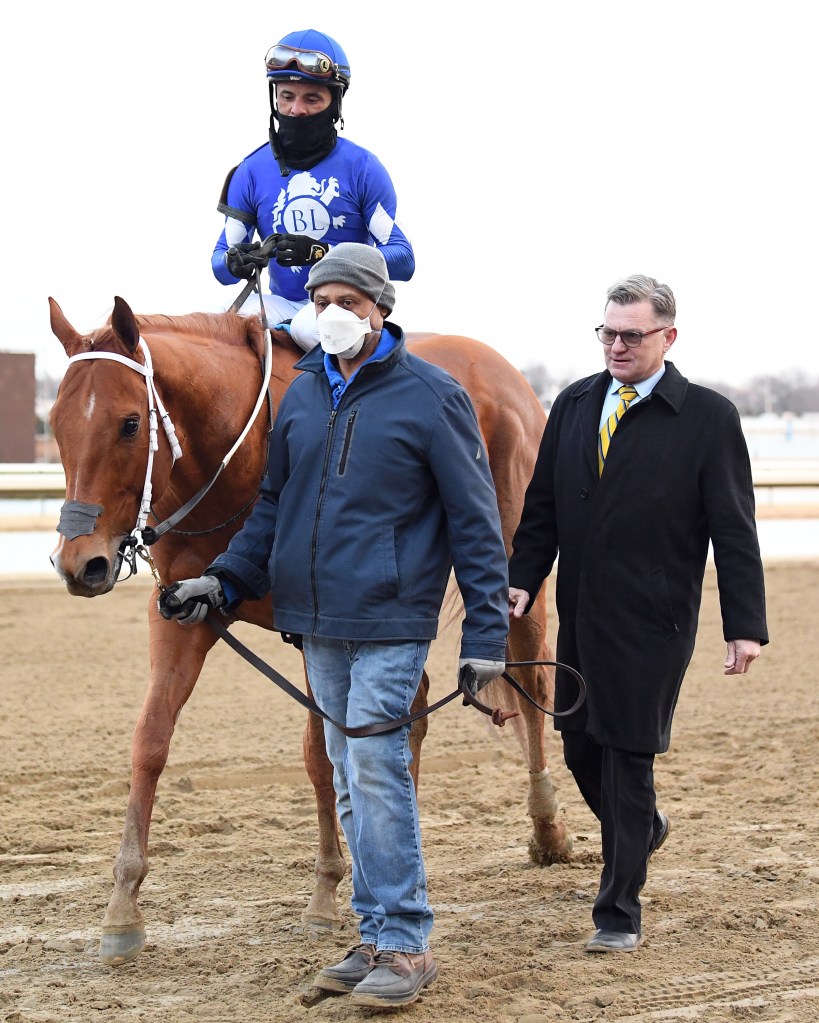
{"points": [[584, 493]]}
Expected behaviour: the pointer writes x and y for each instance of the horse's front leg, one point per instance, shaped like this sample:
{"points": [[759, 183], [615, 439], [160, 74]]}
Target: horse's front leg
{"points": [[322, 909], [550, 841], [419, 728], [177, 655]]}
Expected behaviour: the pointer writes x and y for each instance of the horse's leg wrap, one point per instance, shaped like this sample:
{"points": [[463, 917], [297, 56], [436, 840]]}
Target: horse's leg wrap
{"points": [[542, 796], [550, 842]]}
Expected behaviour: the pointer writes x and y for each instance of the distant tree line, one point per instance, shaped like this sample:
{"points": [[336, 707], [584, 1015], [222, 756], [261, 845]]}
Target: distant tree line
{"points": [[790, 392]]}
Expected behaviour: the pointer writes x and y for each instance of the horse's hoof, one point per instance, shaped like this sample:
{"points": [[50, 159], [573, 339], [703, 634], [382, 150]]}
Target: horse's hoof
{"points": [[318, 926], [550, 844], [120, 945]]}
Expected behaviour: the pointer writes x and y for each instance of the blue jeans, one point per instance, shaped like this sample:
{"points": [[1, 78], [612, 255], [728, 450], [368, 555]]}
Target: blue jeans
{"points": [[359, 683]]}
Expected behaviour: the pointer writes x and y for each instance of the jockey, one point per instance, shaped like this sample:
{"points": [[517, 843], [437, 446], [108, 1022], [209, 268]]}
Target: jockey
{"points": [[308, 187]]}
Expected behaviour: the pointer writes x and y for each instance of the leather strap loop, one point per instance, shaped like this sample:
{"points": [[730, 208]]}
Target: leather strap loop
{"points": [[499, 717]]}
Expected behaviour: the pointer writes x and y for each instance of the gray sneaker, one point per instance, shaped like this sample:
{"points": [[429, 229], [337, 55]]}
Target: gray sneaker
{"points": [[344, 976], [396, 978]]}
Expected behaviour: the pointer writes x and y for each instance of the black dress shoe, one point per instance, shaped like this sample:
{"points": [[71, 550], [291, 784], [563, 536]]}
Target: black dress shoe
{"points": [[614, 941], [661, 835]]}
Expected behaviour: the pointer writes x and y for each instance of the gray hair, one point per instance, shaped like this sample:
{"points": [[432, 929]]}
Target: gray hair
{"points": [[639, 288]]}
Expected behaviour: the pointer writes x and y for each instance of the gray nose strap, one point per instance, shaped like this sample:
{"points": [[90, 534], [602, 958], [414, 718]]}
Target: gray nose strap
{"points": [[78, 519]]}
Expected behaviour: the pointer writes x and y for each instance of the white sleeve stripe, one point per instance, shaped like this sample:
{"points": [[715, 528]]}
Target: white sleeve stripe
{"points": [[381, 225], [236, 232]]}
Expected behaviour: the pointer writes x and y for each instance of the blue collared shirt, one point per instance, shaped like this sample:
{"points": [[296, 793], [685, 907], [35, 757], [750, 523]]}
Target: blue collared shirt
{"points": [[338, 385], [643, 389]]}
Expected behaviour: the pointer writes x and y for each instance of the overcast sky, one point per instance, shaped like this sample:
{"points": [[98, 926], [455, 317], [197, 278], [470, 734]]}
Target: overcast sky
{"points": [[539, 152]]}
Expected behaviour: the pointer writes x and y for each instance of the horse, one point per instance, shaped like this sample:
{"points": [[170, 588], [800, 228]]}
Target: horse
{"points": [[205, 370]]}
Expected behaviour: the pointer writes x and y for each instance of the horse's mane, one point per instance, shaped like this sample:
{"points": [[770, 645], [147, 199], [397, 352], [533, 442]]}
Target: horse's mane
{"points": [[228, 327]]}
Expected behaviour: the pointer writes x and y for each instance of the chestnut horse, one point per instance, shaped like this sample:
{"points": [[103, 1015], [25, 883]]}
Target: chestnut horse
{"points": [[207, 374]]}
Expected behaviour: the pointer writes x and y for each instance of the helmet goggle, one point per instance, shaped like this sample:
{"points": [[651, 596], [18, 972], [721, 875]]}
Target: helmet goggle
{"points": [[310, 62]]}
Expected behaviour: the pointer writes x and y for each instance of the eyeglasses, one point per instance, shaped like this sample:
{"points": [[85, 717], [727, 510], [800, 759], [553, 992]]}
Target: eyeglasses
{"points": [[311, 62], [630, 338]]}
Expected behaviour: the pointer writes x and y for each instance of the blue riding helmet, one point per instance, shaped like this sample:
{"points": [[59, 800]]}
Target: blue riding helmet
{"points": [[309, 56]]}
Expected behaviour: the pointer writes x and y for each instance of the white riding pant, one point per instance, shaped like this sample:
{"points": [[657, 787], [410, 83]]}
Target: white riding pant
{"points": [[302, 316]]}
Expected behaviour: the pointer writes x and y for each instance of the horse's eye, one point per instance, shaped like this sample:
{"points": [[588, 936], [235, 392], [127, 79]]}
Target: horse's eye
{"points": [[130, 426]]}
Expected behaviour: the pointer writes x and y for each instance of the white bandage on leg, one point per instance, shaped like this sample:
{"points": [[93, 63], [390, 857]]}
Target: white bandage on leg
{"points": [[542, 801]]}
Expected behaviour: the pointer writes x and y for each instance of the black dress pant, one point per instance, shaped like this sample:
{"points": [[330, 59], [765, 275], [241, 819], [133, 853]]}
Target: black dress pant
{"points": [[618, 787]]}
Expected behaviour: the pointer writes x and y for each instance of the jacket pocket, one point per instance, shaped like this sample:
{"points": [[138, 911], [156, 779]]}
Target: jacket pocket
{"points": [[389, 561], [347, 443], [661, 598]]}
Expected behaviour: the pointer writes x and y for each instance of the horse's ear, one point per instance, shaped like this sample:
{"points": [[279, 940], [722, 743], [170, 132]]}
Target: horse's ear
{"points": [[124, 324], [63, 331]]}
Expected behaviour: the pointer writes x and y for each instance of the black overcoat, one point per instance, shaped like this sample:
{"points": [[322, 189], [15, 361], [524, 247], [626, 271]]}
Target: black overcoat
{"points": [[632, 547]]}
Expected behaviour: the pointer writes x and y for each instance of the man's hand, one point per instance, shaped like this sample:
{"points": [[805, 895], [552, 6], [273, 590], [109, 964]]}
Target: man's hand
{"points": [[741, 655], [518, 602], [297, 250], [243, 260], [483, 672], [189, 600]]}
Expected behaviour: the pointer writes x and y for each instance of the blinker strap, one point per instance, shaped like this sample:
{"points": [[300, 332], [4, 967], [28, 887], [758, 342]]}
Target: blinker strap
{"points": [[78, 519]]}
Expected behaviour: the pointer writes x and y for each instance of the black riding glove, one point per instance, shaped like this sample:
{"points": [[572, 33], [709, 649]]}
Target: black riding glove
{"points": [[189, 600], [243, 260], [298, 250]]}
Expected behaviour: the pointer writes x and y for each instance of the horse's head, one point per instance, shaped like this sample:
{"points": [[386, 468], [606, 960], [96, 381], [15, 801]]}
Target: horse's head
{"points": [[100, 423]]}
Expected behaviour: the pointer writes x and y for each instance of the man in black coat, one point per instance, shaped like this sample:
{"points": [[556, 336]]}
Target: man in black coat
{"points": [[638, 469]]}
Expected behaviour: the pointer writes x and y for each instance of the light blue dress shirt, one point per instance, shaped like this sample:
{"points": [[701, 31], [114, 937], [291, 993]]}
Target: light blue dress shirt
{"points": [[643, 389]]}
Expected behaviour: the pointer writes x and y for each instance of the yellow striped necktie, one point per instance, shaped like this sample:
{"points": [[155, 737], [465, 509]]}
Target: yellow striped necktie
{"points": [[627, 396]]}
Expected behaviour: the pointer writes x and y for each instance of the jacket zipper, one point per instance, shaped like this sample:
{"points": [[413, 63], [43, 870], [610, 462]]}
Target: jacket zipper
{"points": [[314, 539], [330, 428]]}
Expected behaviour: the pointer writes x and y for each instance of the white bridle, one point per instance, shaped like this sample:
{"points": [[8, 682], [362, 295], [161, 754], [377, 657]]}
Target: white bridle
{"points": [[154, 405], [156, 409]]}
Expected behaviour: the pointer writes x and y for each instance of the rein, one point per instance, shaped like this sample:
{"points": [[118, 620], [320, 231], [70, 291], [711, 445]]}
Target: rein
{"points": [[499, 717], [150, 534], [255, 283]]}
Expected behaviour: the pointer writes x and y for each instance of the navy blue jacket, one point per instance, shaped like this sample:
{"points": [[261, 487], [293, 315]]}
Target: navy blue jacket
{"points": [[366, 508]]}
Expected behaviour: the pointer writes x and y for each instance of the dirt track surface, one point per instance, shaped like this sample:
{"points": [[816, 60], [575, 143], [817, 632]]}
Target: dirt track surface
{"points": [[730, 906]]}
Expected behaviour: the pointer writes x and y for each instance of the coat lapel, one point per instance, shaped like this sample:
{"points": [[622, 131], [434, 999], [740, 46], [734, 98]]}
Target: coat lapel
{"points": [[589, 395]]}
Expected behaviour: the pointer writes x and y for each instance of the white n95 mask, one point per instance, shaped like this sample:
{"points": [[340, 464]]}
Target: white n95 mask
{"points": [[341, 332]]}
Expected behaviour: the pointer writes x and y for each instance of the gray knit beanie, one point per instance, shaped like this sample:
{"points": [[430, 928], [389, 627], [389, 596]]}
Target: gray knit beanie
{"points": [[363, 266]]}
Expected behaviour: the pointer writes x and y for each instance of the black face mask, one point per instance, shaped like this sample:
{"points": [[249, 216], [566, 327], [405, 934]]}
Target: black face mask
{"points": [[302, 142]]}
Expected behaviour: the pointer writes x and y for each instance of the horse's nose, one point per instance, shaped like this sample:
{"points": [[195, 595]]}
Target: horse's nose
{"points": [[86, 578], [95, 572]]}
